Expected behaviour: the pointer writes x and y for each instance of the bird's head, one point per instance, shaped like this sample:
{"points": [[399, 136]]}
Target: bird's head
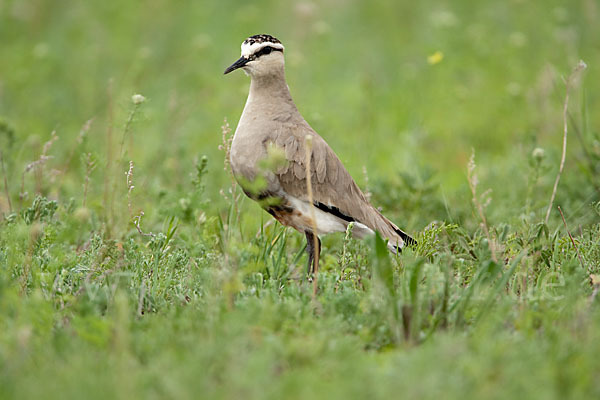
{"points": [[262, 55]]}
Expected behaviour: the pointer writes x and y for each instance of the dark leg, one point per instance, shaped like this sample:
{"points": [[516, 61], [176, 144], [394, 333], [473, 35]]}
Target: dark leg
{"points": [[313, 263]]}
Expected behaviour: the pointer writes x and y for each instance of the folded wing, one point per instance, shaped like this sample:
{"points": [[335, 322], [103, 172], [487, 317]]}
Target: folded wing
{"points": [[333, 187]]}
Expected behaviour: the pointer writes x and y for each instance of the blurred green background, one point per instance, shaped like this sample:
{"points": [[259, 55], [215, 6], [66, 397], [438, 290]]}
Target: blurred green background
{"points": [[404, 92], [358, 71]]}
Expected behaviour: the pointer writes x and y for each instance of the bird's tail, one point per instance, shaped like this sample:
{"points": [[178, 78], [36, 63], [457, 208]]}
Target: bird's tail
{"points": [[406, 240], [396, 237]]}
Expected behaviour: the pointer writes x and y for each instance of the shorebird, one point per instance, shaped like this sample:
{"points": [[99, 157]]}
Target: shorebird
{"points": [[270, 120]]}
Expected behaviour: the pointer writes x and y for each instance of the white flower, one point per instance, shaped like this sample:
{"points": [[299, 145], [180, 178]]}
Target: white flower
{"points": [[138, 99], [538, 153]]}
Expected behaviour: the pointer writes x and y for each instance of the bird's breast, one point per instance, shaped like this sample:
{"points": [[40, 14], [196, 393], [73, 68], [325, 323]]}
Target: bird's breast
{"points": [[248, 149]]}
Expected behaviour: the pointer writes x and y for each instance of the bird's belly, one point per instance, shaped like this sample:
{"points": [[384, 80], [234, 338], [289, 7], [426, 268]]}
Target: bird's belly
{"points": [[326, 223], [300, 218], [298, 214]]}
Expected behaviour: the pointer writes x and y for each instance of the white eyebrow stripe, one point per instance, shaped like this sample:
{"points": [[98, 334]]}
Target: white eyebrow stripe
{"points": [[249, 49]]}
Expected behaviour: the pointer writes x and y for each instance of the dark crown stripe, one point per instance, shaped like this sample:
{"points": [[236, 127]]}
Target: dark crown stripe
{"points": [[261, 39]]}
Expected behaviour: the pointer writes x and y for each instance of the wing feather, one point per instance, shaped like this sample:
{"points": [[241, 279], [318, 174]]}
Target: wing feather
{"points": [[332, 186]]}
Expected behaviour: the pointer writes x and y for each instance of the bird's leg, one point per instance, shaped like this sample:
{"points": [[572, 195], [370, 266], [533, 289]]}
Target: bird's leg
{"points": [[310, 249], [313, 256]]}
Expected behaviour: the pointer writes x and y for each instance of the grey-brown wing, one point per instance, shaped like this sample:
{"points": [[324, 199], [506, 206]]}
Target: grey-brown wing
{"points": [[332, 184]]}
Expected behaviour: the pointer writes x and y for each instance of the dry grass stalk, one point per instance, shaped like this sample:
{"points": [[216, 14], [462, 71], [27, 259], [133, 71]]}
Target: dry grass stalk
{"points": [[233, 198], [225, 146], [90, 165], [127, 129], [49, 143], [5, 182], [137, 220], [130, 186], [38, 171], [226, 143], [110, 183], [82, 133], [573, 241], [108, 193], [568, 82], [313, 216], [37, 167], [473, 182], [80, 137]]}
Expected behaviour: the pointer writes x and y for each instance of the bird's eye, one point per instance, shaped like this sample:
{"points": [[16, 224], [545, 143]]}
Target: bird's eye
{"points": [[267, 50]]}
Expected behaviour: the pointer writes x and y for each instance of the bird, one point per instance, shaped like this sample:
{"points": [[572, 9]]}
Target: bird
{"points": [[272, 127]]}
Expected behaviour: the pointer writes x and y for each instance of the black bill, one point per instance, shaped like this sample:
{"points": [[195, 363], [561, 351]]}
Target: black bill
{"points": [[238, 64]]}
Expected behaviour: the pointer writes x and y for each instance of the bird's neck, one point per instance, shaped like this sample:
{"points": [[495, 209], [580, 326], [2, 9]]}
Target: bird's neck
{"points": [[270, 89]]}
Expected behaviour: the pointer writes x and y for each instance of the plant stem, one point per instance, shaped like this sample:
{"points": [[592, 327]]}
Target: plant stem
{"points": [[308, 149], [579, 67], [5, 181]]}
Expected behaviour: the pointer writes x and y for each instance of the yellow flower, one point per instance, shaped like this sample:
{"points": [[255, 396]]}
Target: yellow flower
{"points": [[435, 58]]}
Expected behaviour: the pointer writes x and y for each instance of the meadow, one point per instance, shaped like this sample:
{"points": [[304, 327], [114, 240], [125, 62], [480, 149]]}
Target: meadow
{"points": [[132, 265]]}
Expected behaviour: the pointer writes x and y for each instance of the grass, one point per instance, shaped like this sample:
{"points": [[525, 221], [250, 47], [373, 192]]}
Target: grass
{"points": [[132, 266]]}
